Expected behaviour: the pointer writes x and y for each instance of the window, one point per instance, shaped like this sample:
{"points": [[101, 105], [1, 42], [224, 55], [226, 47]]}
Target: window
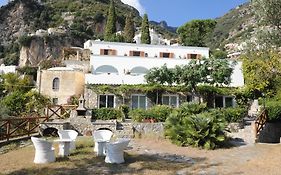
{"points": [[107, 52], [229, 102], [222, 101], [193, 56], [106, 69], [139, 70], [170, 100], [55, 101], [137, 53], [56, 84], [189, 98], [106, 101], [219, 101], [138, 101], [166, 55]]}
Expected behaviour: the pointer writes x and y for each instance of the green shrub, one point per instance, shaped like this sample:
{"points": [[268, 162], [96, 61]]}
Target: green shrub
{"points": [[106, 114], [231, 114], [25, 40], [138, 115], [274, 111], [125, 110], [192, 108], [205, 130], [159, 112]]}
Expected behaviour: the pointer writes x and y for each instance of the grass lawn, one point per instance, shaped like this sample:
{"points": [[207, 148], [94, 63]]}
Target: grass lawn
{"points": [[83, 161]]}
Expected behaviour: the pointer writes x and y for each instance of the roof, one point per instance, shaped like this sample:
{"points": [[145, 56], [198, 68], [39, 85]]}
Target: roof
{"points": [[145, 45], [61, 69]]}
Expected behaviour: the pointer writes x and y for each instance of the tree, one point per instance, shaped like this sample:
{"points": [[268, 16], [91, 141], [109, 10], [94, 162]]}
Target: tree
{"points": [[268, 13], [262, 72], [145, 35], [110, 28], [209, 71], [162, 75], [194, 33], [129, 30]]}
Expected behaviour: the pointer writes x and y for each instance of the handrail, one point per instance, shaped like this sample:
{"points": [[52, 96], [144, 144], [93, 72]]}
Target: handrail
{"points": [[24, 126], [260, 122]]}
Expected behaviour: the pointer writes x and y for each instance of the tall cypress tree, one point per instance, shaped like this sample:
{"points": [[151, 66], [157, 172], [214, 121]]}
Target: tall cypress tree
{"points": [[129, 29], [110, 28], [145, 35]]}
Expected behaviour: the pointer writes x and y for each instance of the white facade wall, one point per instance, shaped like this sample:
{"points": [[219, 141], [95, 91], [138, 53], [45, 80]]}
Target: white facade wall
{"points": [[152, 51], [124, 64], [7, 69]]}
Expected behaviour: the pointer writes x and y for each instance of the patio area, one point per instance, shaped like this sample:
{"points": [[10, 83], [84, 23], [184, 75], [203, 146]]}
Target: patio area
{"points": [[148, 156]]}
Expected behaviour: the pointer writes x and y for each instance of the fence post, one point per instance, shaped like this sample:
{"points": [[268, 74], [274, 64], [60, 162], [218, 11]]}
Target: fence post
{"points": [[8, 130], [28, 124]]}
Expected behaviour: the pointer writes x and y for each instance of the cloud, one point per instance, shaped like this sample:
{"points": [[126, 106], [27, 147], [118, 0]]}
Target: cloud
{"points": [[136, 4]]}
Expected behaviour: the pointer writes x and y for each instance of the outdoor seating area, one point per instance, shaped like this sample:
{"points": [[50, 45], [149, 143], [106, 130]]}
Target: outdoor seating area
{"points": [[113, 150]]}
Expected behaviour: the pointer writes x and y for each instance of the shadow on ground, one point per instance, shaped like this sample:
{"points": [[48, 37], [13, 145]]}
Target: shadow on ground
{"points": [[135, 164]]}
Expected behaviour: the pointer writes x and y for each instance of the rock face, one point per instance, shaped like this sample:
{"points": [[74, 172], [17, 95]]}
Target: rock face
{"points": [[42, 48], [15, 21]]}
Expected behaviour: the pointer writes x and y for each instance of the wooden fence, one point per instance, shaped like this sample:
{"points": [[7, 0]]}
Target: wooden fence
{"points": [[260, 122], [17, 127]]}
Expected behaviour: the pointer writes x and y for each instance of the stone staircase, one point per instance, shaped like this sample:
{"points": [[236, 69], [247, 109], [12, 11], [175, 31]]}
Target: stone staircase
{"points": [[245, 136]]}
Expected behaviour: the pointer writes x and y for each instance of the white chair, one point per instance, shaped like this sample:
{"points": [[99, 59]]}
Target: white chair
{"points": [[115, 151], [44, 151], [69, 134], [100, 138]]}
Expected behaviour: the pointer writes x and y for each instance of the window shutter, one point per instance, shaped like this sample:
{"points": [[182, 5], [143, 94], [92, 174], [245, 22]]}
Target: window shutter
{"points": [[112, 52], [171, 55], [101, 51], [131, 53], [161, 54], [142, 54], [188, 56], [198, 56]]}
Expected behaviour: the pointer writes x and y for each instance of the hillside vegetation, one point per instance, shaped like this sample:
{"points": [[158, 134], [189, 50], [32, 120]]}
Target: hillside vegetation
{"points": [[237, 26]]}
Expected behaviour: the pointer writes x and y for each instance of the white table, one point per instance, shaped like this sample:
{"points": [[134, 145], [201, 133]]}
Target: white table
{"points": [[101, 146], [64, 146]]}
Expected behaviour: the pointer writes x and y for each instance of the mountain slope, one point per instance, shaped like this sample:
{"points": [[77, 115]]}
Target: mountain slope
{"points": [[235, 27]]}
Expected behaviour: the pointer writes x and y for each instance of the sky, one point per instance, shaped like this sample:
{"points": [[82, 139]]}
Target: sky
{"points": [[178, 12]]}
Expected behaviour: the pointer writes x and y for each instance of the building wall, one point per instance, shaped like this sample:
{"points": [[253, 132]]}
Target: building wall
{"points": [[71, 83], [152, 51]]}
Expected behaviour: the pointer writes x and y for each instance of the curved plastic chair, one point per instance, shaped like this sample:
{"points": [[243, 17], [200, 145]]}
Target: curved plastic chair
{"points": [[44, 151], [69, 134], [101, 136], [115, 151]]}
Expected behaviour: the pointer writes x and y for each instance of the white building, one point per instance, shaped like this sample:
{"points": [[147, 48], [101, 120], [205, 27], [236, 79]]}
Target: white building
{"points": [[123, 63], [7, 69], [155, 38]]}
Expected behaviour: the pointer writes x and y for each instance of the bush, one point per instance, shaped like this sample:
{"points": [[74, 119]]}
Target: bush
{"points": [[125, 110], [231, 114], [159, 112], [138, 115], [274, 111], [205, 130], [192, 108], [106, 114], [25, 40]]}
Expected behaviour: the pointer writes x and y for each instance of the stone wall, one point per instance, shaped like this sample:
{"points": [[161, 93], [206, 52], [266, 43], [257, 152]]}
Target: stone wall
{"points": [[148, 129], [85, 126]]}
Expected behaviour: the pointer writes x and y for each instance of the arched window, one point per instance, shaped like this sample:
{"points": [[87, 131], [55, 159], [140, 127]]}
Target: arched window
{"points": [[139, 70], [56, 84], [106, 69]]}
